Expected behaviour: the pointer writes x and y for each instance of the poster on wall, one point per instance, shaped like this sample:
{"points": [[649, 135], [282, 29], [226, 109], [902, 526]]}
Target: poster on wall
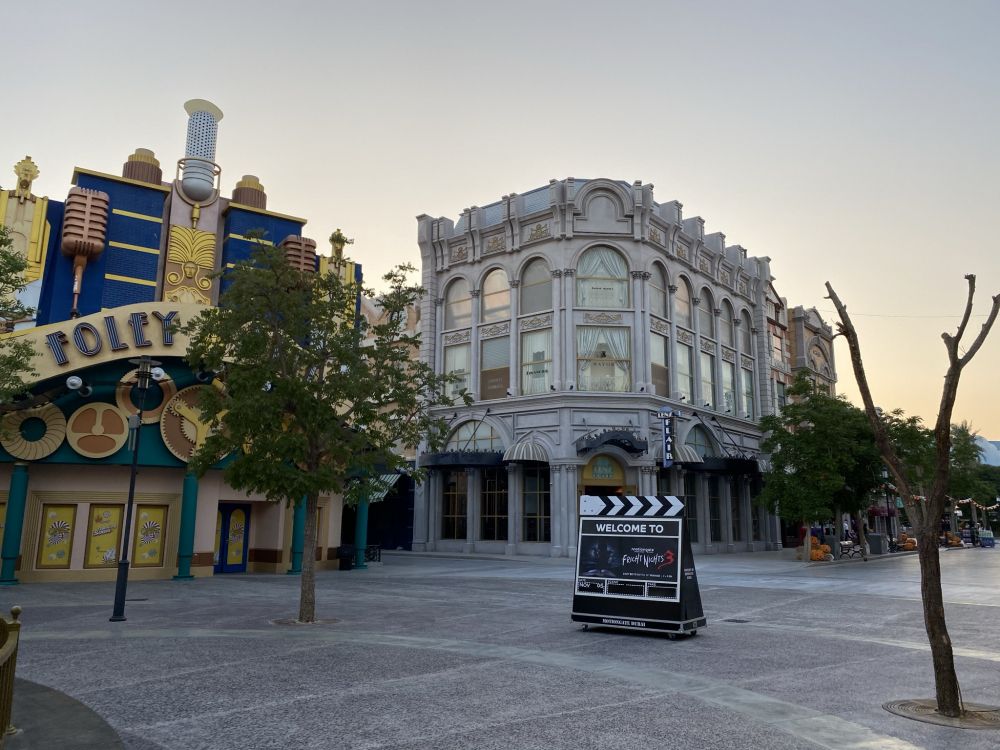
{"points": [[103, 535], [150, 528], [55, 537], [634, 565], [237, 537]]}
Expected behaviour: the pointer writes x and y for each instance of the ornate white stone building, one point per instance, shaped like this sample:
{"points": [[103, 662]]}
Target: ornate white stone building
{"points": [[573, 314]]}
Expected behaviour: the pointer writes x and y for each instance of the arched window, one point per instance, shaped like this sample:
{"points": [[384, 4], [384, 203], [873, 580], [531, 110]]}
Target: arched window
{"points": [[746, 333], [726, 326], [536, 287], [658, 292], [706, 314], [682, 304], [475, 436], [698, 439], [457, 305], [496, 297], [602, 279]]}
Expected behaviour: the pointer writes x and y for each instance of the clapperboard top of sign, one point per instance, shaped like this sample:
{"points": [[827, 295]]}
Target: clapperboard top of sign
{"points": [[630, 505]]}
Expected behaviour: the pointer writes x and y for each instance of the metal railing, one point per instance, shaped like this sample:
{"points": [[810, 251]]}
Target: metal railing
{"points": [[10, 635]]}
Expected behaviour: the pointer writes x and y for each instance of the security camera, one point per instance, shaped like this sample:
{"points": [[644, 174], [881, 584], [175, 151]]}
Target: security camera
{"points": [[571, 386], [552, 387], [158, 374], [707, 403], [75, 383], [509, 393], [747, 415]]}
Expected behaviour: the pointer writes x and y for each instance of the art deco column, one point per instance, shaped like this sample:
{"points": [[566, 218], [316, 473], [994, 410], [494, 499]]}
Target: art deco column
{"points": [[558, 326], [569, 329], [639, 359], [298, 536], [189, 514], [16, 499]]}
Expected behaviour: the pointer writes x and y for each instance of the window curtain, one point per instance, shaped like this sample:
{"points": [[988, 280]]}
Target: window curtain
{"points": [[602, 279]]}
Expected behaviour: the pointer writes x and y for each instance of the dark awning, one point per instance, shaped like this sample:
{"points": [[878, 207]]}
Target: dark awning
{"points": [[624, 439], [381, 486], [461, 459]]}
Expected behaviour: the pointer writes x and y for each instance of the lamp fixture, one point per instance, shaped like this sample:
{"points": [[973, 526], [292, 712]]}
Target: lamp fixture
{"points": [[76, 383]]}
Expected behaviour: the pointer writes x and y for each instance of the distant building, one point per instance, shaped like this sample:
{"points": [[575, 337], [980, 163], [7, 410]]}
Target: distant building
{"points": [[573, 314], [990, 451]]}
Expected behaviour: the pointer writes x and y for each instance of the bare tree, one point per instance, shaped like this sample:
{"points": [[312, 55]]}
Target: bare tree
{"points": [[925, 510]]}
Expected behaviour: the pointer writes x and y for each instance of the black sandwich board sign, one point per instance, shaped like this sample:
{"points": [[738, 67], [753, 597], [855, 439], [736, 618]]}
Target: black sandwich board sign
{"points": [[634, 567]]}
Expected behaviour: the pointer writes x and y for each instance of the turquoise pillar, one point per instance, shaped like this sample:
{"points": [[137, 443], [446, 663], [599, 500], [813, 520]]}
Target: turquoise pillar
{"points": [[361, 534], [298, 536], [189, 514], [16, 499]]}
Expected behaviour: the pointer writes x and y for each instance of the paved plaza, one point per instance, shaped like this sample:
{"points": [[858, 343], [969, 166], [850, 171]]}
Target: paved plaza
{"points": [[452, 653]]}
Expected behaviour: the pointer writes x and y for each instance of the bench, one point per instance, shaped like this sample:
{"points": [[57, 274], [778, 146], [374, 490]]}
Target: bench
{"points": [[850, 549]]}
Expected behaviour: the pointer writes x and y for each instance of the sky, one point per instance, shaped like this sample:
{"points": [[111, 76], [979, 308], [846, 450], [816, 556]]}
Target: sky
{"points": [[852, 141]]}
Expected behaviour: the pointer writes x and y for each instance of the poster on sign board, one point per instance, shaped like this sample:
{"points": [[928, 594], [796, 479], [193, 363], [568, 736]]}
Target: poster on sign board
{"points": [[634, 566]]}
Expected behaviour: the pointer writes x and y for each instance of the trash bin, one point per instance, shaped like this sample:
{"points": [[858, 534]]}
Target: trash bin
{"points": [[345, 554], [878, 544]]}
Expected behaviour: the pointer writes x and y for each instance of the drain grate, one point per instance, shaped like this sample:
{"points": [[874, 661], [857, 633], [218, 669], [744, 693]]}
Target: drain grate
{"points": [[734, 619], [977, 716]]}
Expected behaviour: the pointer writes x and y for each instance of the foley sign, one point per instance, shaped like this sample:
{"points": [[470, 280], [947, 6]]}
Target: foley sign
{"points": [[118, 333]]}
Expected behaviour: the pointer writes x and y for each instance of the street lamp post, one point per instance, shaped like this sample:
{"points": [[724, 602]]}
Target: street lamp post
{"points": [[885, 491], [144, 376]]}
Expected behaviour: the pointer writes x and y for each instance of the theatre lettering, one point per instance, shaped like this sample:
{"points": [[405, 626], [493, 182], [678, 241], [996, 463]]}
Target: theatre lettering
{"points": [[90, 337]]}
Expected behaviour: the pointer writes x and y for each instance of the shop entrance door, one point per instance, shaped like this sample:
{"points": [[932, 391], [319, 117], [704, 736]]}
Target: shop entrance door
{"points": [[232, 537]]}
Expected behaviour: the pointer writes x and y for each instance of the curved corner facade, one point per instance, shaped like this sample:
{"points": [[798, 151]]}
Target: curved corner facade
{"points": [[575, 316]]}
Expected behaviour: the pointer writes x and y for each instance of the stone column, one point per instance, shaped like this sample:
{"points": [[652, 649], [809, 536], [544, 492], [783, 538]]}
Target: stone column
{"points": [[572, 509], [558, 313], [435, 490], [569, 329], [360, 533], [639, 365], [472, 496], [17, 497], [557, 501], [420, 511], [189, 514], [515, 343], [672, 346], [474, 375], [513, 508]]}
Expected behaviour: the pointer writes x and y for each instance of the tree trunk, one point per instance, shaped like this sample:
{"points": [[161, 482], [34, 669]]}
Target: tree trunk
{"points": [[862, 537], [949, 696], [807, 542], [307, 593]]}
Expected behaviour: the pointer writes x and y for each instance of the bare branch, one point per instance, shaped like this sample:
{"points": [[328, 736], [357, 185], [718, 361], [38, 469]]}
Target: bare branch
{"points": [[983, 332], [971, 278]]}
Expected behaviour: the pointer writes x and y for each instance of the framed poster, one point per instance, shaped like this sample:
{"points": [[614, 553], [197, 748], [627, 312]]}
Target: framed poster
{"points": [[55, 536], [103, 536], [150, 529]]}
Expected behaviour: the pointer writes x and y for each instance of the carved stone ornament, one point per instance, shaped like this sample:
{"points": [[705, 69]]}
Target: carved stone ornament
{"points": [[746, 363], [682, 251], [743, 288], [500, 329], [515, 283], [459, 337], [495, 244], [602, 317], [439, 301], [539, 321], [655, 236], [660, 326], [459, 253], [475, 293], [569, 272], [672, 288], [637, 274], [556, 273], [707, 346], [728, 355], [685, 337], [705, 265], [538, 232], [725, 277]]}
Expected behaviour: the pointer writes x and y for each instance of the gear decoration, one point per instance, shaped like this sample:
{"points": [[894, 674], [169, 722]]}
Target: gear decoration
{"points": [[181, 425], [123, 396], [31, 450], [97, 430]]}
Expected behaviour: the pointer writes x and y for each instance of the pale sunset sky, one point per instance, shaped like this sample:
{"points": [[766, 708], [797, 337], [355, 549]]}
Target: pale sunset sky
{"points": [[852, 141]]}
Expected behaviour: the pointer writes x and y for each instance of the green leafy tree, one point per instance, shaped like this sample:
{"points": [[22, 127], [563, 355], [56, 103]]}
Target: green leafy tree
{"points": [[306, 409], [15, 354], [823, 457]]}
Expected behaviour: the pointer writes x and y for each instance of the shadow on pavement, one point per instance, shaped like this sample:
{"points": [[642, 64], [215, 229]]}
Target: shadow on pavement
{"points": [[48, 719]]}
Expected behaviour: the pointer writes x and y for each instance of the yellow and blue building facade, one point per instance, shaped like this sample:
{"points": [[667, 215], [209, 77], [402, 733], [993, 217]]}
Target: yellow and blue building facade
{"points": [[110, 268]]}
